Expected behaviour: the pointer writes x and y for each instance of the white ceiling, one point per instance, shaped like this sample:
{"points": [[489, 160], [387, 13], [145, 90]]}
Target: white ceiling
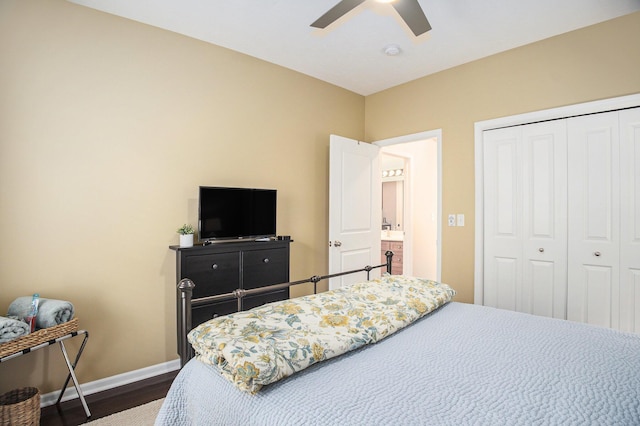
{"points": [[349, 53]]}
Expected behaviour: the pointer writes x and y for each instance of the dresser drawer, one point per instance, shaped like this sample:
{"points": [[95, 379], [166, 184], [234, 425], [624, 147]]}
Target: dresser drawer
{"points": [[397, 260], [204, 313], [396, 246], [265, 267], [259, 300], [215, 273]]}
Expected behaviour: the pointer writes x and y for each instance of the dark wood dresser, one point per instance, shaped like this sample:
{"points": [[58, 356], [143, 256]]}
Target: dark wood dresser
{"points": [[223, 267]]}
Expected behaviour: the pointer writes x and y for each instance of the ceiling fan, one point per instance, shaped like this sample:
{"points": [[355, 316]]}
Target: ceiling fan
{"points": [[409, 10]]}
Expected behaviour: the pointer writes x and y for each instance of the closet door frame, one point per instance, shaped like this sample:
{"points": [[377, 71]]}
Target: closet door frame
{"points": [[549, 114]]}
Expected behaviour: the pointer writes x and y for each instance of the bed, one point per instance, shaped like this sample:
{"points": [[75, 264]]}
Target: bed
{"points": [[454, 364]]}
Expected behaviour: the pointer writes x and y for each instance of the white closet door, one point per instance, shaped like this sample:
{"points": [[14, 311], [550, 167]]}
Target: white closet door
{"points": [[502, 213], [544, 212], [630, 220], [525, 218], [594, 212]]}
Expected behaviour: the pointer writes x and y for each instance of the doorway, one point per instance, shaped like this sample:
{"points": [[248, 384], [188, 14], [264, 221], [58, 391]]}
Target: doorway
{"points": [[418, 225]]}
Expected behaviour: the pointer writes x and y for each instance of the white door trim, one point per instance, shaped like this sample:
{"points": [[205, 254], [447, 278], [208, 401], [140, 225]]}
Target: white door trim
{"points": [[415, 137], [531, 117]]}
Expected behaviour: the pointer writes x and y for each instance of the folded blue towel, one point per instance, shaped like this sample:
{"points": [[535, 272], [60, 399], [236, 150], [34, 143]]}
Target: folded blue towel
{"points": [[51, 312], [12, 329]]}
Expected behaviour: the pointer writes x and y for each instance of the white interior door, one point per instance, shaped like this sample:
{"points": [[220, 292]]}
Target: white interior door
{"points": [[630, 220], [355, 216], [594, 228]]}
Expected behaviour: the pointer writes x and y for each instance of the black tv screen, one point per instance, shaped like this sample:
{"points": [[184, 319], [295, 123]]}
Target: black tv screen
{"points": [[232, 213]]}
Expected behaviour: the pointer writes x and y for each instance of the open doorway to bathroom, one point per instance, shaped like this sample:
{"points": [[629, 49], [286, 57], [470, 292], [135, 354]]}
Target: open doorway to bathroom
{"points": [[411, 176]]}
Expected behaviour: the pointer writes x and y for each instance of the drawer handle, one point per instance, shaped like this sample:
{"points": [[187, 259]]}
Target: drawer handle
{"points": [[541, 250], [214, 266], [265, 260], [597, 254]]}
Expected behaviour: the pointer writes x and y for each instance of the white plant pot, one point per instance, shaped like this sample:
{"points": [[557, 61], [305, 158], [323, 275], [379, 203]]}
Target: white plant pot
{"points": [[186, 240]]}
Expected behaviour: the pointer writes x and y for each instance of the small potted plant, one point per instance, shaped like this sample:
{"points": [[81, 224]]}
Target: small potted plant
{"points": [[186, 235]]}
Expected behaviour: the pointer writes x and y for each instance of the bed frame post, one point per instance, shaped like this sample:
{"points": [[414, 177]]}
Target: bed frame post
{"points": [[239, 294], [185, 288], [315, 279], [389, 255]]}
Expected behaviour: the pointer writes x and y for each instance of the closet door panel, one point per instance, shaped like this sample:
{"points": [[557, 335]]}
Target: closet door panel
{"points": [[594, 225], [597, 302], [591, 296], [502, 212], [544, 212], [630, 220], [541, 294], [502, 293], [630, 299]]}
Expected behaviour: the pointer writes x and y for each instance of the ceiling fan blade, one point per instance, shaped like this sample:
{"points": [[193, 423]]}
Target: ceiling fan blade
{"points": [[336, 12], [411, 12]]}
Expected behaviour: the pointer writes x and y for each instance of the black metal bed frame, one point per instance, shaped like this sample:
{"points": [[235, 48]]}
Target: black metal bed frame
{"points": [[186, 302]]}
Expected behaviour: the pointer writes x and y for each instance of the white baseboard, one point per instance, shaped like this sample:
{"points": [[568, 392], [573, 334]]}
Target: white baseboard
{"points": [[111, 382]]}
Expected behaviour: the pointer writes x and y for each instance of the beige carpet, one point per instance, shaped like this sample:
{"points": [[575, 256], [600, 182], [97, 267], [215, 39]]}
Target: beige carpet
{"points": [[142, 415]]}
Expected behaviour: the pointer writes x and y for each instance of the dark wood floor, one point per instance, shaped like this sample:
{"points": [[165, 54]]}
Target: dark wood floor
{"points": [[105, 403]]}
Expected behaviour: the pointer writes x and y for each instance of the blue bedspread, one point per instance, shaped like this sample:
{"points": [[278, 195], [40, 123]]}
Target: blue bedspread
{"points": [[463, 364]]}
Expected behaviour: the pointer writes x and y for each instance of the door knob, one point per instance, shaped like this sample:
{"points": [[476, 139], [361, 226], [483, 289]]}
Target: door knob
{"points": [[337, 243]]}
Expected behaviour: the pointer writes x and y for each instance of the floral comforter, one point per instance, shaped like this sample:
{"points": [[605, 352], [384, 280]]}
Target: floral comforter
{"points": [[263, 345]]}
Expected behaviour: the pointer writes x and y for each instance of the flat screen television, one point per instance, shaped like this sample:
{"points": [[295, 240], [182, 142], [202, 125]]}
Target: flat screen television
{"points": [[236, 213]]}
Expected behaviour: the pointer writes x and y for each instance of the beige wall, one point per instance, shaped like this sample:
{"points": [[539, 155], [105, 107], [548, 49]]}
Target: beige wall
{"points": [[597, 62], [107, 127]]}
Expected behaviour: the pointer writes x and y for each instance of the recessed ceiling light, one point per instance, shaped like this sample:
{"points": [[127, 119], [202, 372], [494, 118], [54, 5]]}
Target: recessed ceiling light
{"points": [[392, 50]]}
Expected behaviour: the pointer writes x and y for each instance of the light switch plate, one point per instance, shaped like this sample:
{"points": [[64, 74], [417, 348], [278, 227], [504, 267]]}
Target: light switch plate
{"points": [[461, 220]]}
